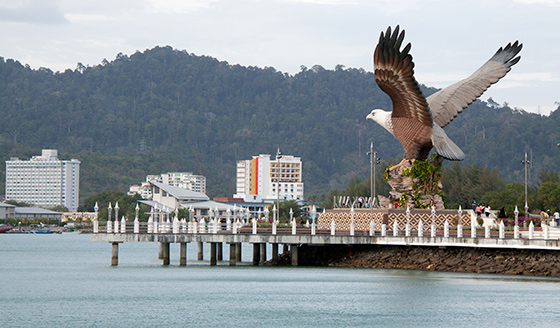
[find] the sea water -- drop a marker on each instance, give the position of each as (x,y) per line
(66,281)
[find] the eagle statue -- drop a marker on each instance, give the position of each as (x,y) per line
(416,121)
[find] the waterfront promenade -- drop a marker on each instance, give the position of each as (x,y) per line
(235,233)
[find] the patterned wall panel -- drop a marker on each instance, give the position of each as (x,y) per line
(363,217)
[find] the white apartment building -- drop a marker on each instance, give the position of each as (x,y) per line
(267,179)
(184,180)
(44,180)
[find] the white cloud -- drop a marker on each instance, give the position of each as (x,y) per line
(31,11)
(179,6)
(551,3)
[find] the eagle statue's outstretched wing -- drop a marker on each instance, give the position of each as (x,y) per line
(394,74)
(447,103)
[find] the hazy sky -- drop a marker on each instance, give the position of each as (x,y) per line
(450,39)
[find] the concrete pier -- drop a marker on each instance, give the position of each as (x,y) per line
(232,253)
(213,255)
(115,253)
(220,251)
(294,254)
(274,260)
(536,240)
(263,253)
(183,254)
(256,253)
(238,252)
(200,253)
(165,247)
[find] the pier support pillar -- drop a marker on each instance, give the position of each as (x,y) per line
(256,253)
(183,254)
(165,247)
(274,254)
(213,257)
(200,249)
(232,253)
(263,253)
(220,251)
(285,248)
(160,251)
(238,252)
(114,254)
(294,254)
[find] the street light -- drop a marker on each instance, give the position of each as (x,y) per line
(278,156)
(372,160)
(526,162)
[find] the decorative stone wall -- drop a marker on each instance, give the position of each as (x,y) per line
(362,218)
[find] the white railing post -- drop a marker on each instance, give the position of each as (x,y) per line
(460,223)
(433,229)
(175,224)
(383,230)
(274,226)
(109,226)
(313,227)
(352,221)
(516,232)
(150,228)
(407,227)
(123,225)
(446,229)
(183,225)
(371,228)
(545,230)
(531,230)
(294,226)
(136,225)
(254,226)
(202,225)
(487,231)
(95,221)
(235,226)
(502,230)
(333,228)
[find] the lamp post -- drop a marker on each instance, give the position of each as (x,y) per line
(95,222)
(371,177)
(526,162)
(278,157)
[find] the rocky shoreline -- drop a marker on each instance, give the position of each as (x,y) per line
(445,259)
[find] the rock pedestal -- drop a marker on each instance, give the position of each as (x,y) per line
(418,193)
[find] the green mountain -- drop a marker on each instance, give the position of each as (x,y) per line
(156,111)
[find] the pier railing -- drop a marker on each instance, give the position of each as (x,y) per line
(243,226)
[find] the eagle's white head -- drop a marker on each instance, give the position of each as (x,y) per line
(382,118)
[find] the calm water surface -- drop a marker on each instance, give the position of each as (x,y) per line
(66,281)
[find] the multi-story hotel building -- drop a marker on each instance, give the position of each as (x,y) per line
(44,180)
(267,179)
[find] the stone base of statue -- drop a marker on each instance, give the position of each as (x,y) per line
(416,185)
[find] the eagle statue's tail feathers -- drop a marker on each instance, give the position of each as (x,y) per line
(444,146)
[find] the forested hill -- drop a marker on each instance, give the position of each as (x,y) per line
(149,112)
